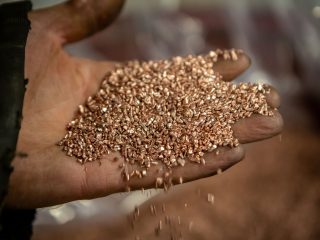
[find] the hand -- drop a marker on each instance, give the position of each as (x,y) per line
(58,83)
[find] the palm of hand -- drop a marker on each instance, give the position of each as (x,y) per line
(58,83)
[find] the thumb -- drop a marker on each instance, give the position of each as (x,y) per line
(77,19)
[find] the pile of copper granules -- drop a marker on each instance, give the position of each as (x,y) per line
(167,111)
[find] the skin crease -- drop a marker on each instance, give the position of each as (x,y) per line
(58,83)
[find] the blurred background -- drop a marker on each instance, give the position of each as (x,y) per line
(275,192)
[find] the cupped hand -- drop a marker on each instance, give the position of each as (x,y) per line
(58,83)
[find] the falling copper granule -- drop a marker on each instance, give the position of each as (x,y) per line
(163,208)
(190,225)
(159,181)
(211,198)
(163,112)
(136,213)
(153,209)
(199,191)
(167,220)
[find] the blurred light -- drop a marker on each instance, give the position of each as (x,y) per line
(62,214)
(85,203)
(44,3)
(170,5)
(137,198)
(259,77)
(316,11)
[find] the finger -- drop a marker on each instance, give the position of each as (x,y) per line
(230,68)
(107,177)
(221,159)
(76,19)
(258,127)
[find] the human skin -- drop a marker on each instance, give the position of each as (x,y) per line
(58,83)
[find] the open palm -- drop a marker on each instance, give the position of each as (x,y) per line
(58,83)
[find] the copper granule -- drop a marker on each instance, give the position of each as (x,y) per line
(153,209)
(190,225)
(136,212)
(166,111)
(163,207)
(211,198)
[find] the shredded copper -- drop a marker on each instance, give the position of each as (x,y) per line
(166,111)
